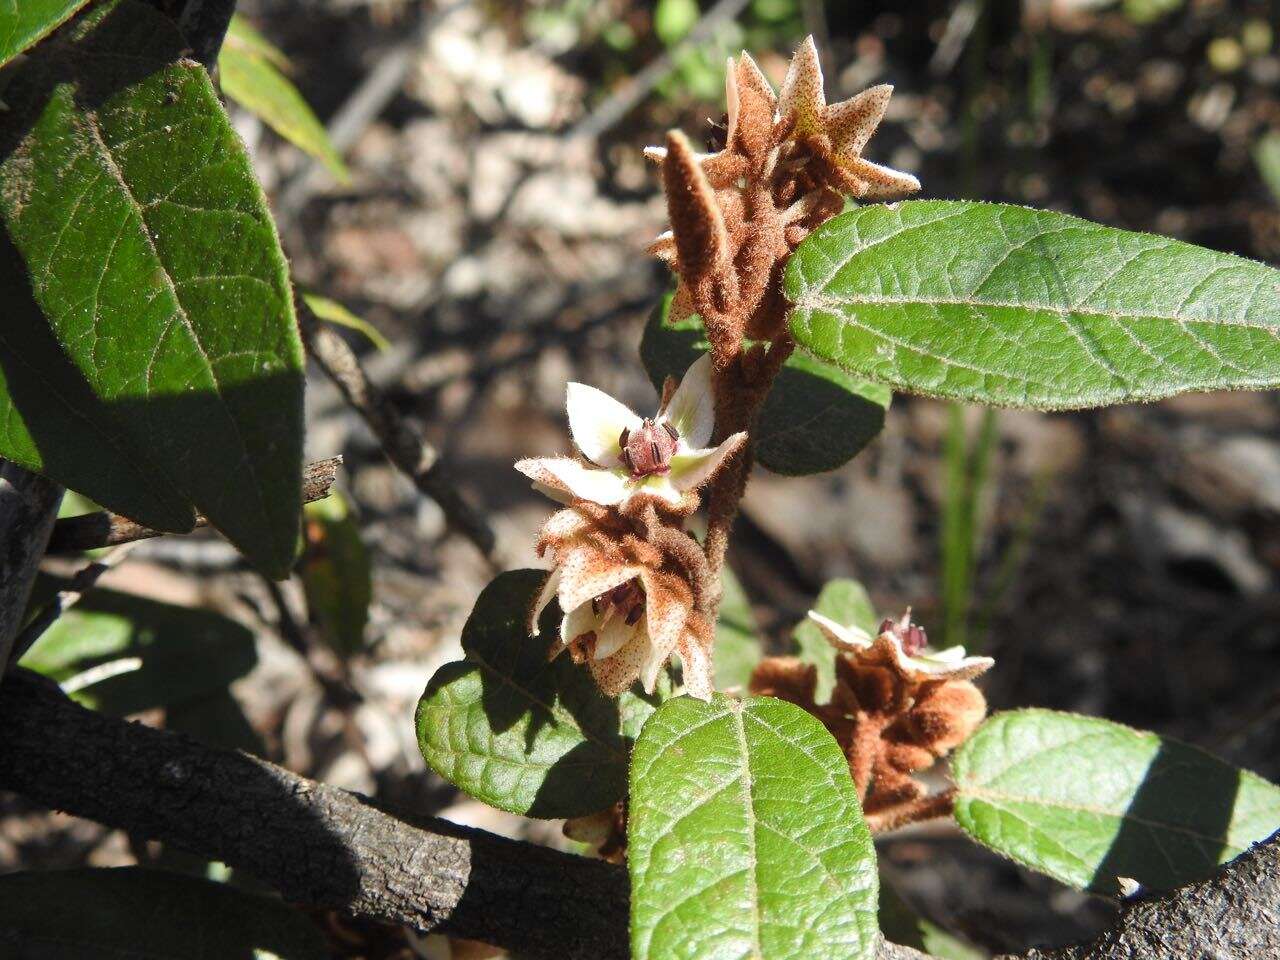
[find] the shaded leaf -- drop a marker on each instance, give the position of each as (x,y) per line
(24,22)
(336,574)
(816,418)
(516,731)
(746,838)
(1015,307)
(123,654)
(150,356)
(737,648)
(331,311)
(132,914)
(249,69)
(844,601)
(1087,800)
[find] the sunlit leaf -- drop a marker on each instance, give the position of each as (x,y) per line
(336,573)
(1015,307)
(746,838)
(24,22)
(1087,801)
(331,311)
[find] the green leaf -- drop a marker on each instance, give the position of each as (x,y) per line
(1266,154)
(516,731)
(737,648)
(336,574)
(123,654)
(332,311)
(844,601)
(900,924)
(746,838)
(23,23)
(1015,307)
(1086,801)
(249,69)
(816,418)
(149,356)
(133,914)
(672,19)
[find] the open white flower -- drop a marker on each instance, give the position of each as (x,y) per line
(665,456)
(903,646)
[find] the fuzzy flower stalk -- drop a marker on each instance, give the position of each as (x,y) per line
(898,707)
(631,582)
(787,163)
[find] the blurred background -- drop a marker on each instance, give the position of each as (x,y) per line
(491,226)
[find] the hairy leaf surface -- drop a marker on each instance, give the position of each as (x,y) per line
(1008,306)
(518,732)
(745,838)
(1087,801)
(150,356)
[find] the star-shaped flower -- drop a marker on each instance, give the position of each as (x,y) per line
(903,647)
(665,457)
(626,608)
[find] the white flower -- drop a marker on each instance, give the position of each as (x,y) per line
(665,457)
(903,646)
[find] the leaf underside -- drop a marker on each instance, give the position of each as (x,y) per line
(516,731)
(745,837)
(149,356)
(1009,306)
(1087,801)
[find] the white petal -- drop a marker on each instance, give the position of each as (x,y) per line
(604,487)
(656,154)
(549,588)
(583,576)
(613,636)
(596,420)
(559,496)
(581,619)
(695,660)
(614,674)
(650,668)
(692,410)
(849,638)
(691,468)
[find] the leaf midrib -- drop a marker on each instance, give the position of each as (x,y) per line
(749,809)
(93,124)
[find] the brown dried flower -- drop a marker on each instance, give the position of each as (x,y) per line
(897,708)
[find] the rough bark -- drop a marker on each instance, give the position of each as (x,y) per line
(322,846)
(28,506)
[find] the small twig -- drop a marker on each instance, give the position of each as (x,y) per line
(106,529)
(329,671)
(80,583)
(403,445)
(623,101)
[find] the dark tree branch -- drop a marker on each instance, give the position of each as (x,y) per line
(204,23)
(106,529)
(404,446)
(28,507)
(324,847)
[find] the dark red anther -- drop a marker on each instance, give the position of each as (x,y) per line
(648,449)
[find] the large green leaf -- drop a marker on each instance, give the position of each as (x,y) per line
(737,649)
(249,69)
(123,654)
(149,356)
(816,417)
(133,914)
(844,601)
(746,838)
(519,732)
(24,22)
(1015,307)
(336,574)
(1087,801)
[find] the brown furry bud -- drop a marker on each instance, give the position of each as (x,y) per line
(787,678)
(702,245)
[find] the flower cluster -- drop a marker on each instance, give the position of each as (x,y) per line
(898,706)
(628,577)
